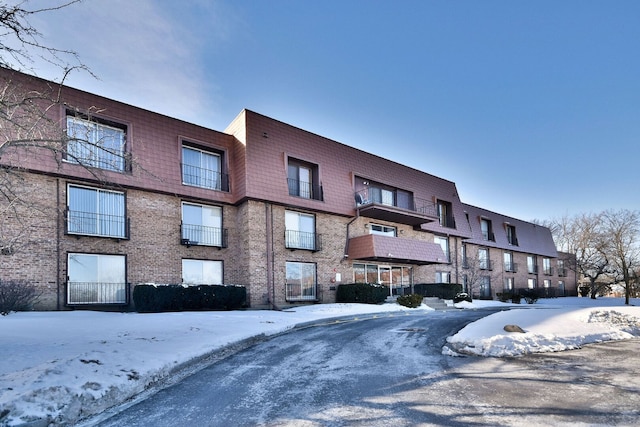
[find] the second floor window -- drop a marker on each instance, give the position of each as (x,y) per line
(95,144)
(95,212)
(300,231)
(202,225)
(444,244)
(546,266)
(484,263)
(202,169)
(562,271)
(382,230)
(532,264)
(509,265)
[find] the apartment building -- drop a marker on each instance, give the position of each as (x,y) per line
(137,197)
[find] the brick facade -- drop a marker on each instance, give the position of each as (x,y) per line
(256,154)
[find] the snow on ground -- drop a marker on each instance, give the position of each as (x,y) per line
(64,366)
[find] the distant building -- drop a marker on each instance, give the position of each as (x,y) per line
(285,212)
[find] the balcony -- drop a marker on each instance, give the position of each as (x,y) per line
(532,269)
(96,224)
(301,292)
(303,189)
(485,264)
(411,211)
(302,240)
(204,178)
(86,293)
(200,235)
(372,247)
(548,271)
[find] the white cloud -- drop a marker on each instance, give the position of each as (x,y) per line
(143,52)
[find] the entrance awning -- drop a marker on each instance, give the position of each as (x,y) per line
(372,247)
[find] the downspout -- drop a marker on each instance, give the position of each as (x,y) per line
(271,287)
(58,244)
(455,239)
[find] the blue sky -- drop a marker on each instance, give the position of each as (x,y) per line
(531,108)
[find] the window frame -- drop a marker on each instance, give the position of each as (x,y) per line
(75,216)
(97,292)
(445,214)
(439,240)
(488,233)
(203,264)
(304,290)
(295,179)
(382,230)
(218,178)
(512,237)
(486,265)
(93,125)
(207,235)
(294,237)
(443,277)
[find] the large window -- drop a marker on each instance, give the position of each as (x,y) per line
(443,277)
(96,279)
(300,231)
(303,180)
(532,283)
(487,229)
(546,266)
(200,272)
(203,169)
(484,263)
(562,271)
(445,214)
(95,212)
(300,281)
(509,265)
(394,276)
(95,144)
(532,264)
(444,244)
(202,225)
(508,283)
(511,235)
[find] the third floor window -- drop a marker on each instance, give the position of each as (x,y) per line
(303,180)
(487,229)
(202,168)
(95,144)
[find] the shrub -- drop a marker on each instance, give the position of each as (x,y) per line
(367,293)
(529,295)
(504,296)
(584,291)
(150,298)
(516,298)
(439,290)
(17,295)
(411,301)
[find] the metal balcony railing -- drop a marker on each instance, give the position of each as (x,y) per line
(548,271)
(562,272)
(96,224)
(302,240)
(201,235)
(300,292)
(306,190)
(81,293)
(205,178)
(511,267)
(484,264)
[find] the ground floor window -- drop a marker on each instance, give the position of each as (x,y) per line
(532,283)
(508,283)
(201,272)
(301,281)
(443,277)
(394,276)
(96,279)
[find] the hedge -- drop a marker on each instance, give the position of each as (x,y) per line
(150,298)
(440,290)
(361,292)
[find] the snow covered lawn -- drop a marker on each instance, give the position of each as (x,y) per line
(64,366)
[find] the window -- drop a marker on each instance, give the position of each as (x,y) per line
(199,272)
(532,264)
(546,267)
(484,263)
(532,283)
(202,225)
(443,277)
(511,235)
(561,288)
(95,144)
(382,230)
(373,273)
(95,212)
(302,179)
(444,244)
(508,283)
(300,231)
(463,256)
(487,230)
(300,281)
(509,265)
(546,283)
(562,271)
(203,169)
(445,214)
(96,279)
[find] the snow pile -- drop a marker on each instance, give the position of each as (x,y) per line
(547,329)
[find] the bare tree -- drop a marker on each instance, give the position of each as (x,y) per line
(479,274)
(622,229)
